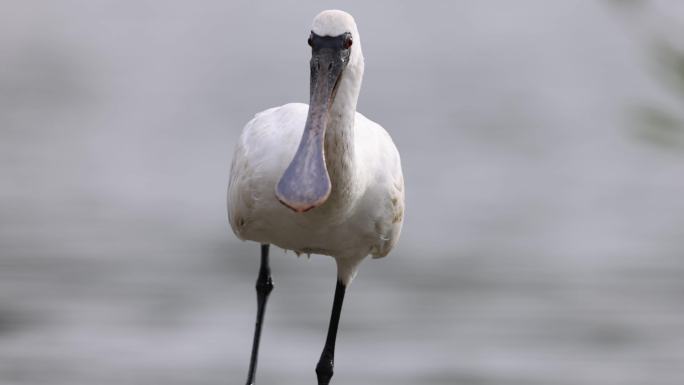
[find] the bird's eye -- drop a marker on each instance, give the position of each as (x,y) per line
(348,42)
(310,41)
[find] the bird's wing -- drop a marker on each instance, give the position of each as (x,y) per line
(264,149)
(385,189)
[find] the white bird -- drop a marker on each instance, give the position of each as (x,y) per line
(321,178)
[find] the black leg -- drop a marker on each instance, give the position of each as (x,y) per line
(264,285)
(324,369)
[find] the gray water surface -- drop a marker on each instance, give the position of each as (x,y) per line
(543,151)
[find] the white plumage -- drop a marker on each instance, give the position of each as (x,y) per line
(364,212)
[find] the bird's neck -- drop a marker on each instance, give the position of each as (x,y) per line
(339,137)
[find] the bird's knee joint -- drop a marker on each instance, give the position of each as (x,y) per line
(324,371)
(264,285)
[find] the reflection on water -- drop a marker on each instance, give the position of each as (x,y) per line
(543,150)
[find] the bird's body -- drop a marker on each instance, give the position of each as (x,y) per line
(364,212)
(318,178)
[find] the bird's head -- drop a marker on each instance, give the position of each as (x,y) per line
(335,55)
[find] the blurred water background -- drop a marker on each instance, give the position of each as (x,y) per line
(543,149)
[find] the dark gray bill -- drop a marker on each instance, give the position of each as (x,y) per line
(305,183)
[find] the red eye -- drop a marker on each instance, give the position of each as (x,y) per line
(348,42)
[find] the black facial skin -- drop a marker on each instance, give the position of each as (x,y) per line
(331,52)
(306,183)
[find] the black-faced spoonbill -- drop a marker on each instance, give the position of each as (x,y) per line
(321,178)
